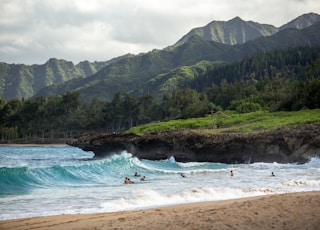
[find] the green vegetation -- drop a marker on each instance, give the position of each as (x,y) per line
(198,85)
(262,120)
(179,78)
(179,124)
(138,75)
(230,121)
(235,31)
(161,72)
(282,80)
(23,81)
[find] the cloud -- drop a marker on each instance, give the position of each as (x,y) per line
(35,30)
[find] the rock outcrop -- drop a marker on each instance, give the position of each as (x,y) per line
(283,145)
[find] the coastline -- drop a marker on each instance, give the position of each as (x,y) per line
(299,210)
(287,144)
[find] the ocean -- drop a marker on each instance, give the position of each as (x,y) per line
(54,180)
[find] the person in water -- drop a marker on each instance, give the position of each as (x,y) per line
(181,174)
(272,174)
(136,174)
(128,181)
(143,178)
(231,173)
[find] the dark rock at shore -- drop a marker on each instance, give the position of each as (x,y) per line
(283,145)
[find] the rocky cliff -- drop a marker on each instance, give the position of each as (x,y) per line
(283,145)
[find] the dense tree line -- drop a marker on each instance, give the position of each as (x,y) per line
(281,80)
(278,80)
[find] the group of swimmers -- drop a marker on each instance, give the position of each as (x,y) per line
(128,181)
(231,173)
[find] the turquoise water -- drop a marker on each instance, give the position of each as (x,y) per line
(41,181)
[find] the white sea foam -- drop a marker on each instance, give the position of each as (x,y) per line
(190,164)
(300,183)
(149,198)
(66,184)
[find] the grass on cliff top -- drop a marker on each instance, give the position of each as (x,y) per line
(230,121)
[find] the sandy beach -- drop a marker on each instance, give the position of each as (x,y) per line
(284,211)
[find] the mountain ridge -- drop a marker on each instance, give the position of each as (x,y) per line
(24,81)
(234,31)
(237,31)
(138,70)
(302,21)
(121,73)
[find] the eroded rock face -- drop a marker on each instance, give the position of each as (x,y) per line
(284,145)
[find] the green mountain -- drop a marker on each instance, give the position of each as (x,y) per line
(302,21)
(24,81)
(179,78)
(158,71)
(238,31)
(140,74)
(130,74)
(235,31)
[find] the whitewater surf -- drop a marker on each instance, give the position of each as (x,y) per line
(53,180)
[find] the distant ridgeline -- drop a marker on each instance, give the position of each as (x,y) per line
(159,71)
(24,81)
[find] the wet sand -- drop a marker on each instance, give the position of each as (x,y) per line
(284,211)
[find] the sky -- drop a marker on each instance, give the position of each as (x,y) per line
(32,31)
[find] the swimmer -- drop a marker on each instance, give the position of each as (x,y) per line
(181,174)
(127,180)
(143,178)
(231,173)
(272,174)
(136,174)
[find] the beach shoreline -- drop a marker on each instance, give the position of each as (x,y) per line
(300,210)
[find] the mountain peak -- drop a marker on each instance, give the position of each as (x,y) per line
(232,32)
(236,19)
(224,23)
(237,31)
(302,21)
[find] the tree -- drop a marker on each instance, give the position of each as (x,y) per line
(185,103)
(8,113)
(2,103)
(145,106)
(31,116)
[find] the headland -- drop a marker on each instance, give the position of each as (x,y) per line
(285,144)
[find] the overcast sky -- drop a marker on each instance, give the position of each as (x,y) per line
(32,31)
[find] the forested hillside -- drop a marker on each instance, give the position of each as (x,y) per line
(280,72)
(281,80)
(24,81)
(218,41)
(132,75)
